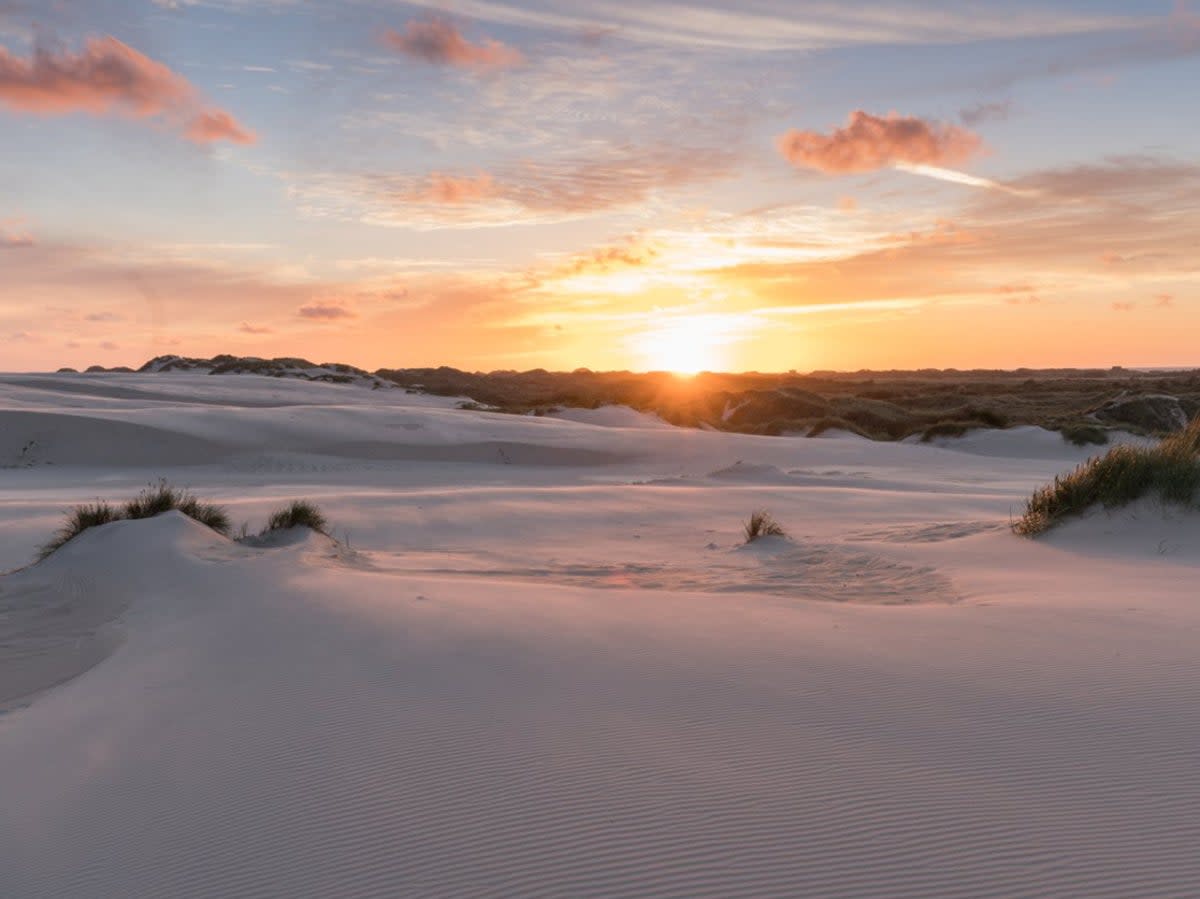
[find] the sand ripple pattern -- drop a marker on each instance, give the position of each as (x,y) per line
(309,746)
(822,572)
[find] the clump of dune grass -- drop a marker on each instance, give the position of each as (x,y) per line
(1084,434)
(154,500)
(986,417)
(761,524)
(947,429)
(298,513)
(162,497)
(834,423)
(1170,470)
(79,520)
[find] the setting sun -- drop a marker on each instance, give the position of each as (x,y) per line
(687,345)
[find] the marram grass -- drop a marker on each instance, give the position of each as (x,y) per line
(761,524)
(1169,470)
(298,513)
(154,500)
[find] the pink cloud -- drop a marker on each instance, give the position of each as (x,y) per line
(109,77)
(454,189)
(324,312)
(213,125)
(437,41)
(869,142)
(247,328)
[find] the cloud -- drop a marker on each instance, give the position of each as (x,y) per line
(527,192)
(453,189)
(1154,40)
(628,254)
(1122,178)
(971,116)
(13,241)
(324,312)
(868,143)
(437,41)
(214,125)
(109,77)
(772,25)
(247,328)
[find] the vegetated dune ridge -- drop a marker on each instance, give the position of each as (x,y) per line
(522,678)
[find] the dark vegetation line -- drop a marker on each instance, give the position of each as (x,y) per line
(881,405)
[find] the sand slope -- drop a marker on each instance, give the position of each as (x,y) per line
(568,680)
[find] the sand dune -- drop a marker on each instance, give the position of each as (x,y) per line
(561,675)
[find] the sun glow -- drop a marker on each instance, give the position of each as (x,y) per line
(689,345)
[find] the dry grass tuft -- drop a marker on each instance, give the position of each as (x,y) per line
(79,520)
(162,497)
(761,524)
(296,514)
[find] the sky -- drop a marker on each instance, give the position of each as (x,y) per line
(767,185)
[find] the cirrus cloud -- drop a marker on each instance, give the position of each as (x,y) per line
(524,192)
(869,142)
(110,77)
(437,41)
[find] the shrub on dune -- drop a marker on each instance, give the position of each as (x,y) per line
(947,429)
(761,524)
(1084,434)
(296,514)
(833,423)
(1170,471)
(162,497)
(79,520)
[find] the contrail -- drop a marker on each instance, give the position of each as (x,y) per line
(956,177)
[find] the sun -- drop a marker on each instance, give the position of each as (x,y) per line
(685,346)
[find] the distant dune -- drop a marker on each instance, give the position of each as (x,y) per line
(1083,405)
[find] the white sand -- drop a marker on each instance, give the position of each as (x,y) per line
(545,667)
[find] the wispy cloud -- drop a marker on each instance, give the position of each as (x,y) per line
(110,77)
(519,193)
(761,25)
(437,41)
(979,113)
(456,189)
(325,312)
(1147,40)
(868,143)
